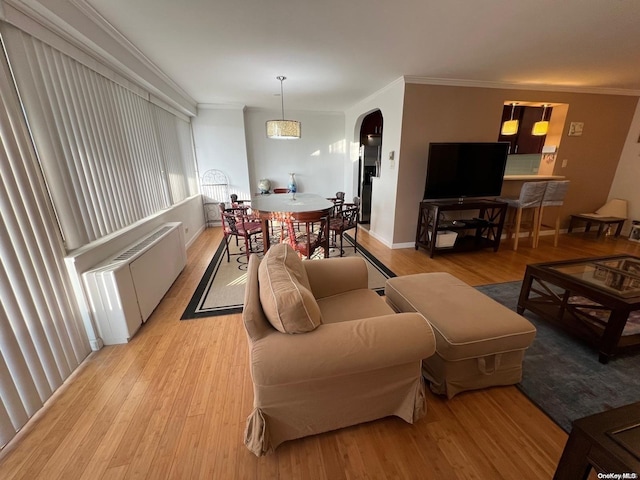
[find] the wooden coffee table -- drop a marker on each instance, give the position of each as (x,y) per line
(608,441)
(590,298)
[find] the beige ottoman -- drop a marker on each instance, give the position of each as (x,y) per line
(479,342)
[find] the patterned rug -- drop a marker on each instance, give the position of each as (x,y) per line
(562,375)
(221,289)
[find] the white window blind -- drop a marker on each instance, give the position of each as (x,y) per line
(42,339)
(109,156)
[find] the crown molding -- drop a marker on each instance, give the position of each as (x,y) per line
(79,24)
(222,106)
(452,82)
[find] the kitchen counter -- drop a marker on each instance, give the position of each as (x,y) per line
(532,178)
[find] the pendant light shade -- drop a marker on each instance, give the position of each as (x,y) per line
(283,129)
(510,127)
(542,127)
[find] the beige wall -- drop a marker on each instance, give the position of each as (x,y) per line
(434,113)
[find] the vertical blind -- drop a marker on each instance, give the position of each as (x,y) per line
(81,156)
(109,156)
(42,339)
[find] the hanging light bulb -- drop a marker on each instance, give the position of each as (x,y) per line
(284,129)
(542,127)
(510,127)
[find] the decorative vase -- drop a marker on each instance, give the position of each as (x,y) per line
(264,186)
(293,187)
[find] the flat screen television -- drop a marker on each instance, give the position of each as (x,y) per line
(460,170)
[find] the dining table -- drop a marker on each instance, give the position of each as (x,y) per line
(296,207)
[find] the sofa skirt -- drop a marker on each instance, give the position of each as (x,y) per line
(287,412)
(447,377)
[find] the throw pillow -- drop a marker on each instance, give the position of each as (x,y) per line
(285,293)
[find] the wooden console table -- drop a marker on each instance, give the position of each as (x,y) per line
(482,231)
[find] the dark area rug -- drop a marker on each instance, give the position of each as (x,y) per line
(562,375)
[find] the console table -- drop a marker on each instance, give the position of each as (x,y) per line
(481,231)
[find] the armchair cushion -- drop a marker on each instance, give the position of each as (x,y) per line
(285,293)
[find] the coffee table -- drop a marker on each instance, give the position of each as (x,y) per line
(609,441)
(590,298)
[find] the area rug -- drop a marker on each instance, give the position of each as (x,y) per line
(221,290)
(562,375)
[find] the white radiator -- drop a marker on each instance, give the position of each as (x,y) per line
(125,289)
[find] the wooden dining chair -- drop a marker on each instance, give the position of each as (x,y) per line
(235,223)
(346,219)
(303,234)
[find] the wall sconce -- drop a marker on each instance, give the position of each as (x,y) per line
(510,127)
(284,129)
(542,127)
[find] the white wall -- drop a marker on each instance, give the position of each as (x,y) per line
(625,182)
(317,158)
(220,143)
(389,101)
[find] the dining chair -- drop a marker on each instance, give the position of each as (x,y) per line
(346,219)
(530,198)
(553,197)
(304,236)
(235,223)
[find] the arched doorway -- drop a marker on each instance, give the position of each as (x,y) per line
(369,162)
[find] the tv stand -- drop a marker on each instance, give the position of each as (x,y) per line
(478,231)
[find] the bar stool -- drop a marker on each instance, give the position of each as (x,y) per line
(530,197)
(553,197)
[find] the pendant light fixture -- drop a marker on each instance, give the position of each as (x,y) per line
(510,127)
(542,127)
(283,129)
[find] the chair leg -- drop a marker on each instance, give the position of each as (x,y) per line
(355,240)
(341,250)
(517,228)
(535,226)
(226,244)
(556,234)
(538,227)
(247,246)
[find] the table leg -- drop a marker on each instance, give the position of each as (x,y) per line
(612,333)
(574,463)
(266,241)
(600,229)
(525,290)
(326,242)
(619,229)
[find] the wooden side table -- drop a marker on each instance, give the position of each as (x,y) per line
(608,441)
(600,221)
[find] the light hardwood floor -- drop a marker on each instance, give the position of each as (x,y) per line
(173,402)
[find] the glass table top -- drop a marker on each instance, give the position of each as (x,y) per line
(620,275)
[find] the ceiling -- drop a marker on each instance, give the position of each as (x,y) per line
(335,53)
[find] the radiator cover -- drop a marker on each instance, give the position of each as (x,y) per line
(124,290)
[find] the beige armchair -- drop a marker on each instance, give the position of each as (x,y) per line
(360,361)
